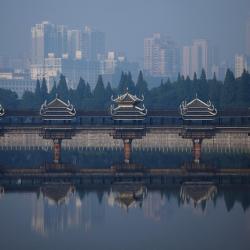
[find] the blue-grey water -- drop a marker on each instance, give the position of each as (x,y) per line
(111,219)
(123,216)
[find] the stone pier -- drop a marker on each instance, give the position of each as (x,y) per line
(197,149)
(57,145)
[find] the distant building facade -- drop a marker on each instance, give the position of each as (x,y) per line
(248,36)
(74,53)
(200,55)
(240,62)
(161,56)
(92,44)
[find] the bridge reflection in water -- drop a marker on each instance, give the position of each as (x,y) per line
(59,206)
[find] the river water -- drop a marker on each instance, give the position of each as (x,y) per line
(56,217)
(124,216)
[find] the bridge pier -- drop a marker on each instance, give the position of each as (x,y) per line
(57,135)
(127,135)
(57,150)
(197,135)
(127,150)
(197,149)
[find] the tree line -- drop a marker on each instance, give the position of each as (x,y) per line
(230,93)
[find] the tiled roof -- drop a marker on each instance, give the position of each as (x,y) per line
(2,112)
(197,110)
(128,107)
(57,110)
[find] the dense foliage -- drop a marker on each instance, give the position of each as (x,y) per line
(229,93)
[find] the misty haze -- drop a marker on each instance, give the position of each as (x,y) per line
(125,124)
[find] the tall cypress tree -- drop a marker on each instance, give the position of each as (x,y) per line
(229,91)
(53,91)
(243,92)
(44,90)
(38,89)
(62,88)
(99,90)
(80,92)
(108,92)
(141,85)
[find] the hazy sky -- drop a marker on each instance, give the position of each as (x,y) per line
(127,22)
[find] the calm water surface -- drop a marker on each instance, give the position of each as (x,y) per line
(125,217)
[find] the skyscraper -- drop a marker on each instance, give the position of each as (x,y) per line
(186,61)
(161,56)
(199,56)
(92,44)
(61,46)
(248,36)
(74,40)
(240,64)
(48,38)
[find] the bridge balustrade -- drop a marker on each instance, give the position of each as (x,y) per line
(153,119)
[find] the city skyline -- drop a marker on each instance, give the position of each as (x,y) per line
(111,17)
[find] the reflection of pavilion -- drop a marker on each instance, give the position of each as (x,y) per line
(1,191)
(127,195)
(59,208)
(57,193)
(56,208)
(197,192)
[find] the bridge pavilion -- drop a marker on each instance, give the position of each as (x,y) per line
(128,111)
(57,116)
(1,111)
(197,123)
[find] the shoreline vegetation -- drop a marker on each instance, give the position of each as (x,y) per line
(230,93)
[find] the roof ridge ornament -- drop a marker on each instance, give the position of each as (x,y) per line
(2,111)
(128,107)
(197,110)
(57,110)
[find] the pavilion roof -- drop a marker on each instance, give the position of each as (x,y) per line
(57,110)
(197,192)
(128,107)
(2,112)
(197,110)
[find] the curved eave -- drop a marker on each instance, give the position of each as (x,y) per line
(133,98)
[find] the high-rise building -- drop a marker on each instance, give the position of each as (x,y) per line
(61,46)
(48,38)
(240,64)
(92,44)
(200,56)
(186,61)
(248,36)
(74,43)
(161,56)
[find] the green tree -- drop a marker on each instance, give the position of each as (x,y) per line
(99,92)
(38,90)
(243,90)
(141,85)
(44,90)
(29,101)
(53,91)
(109,92)
(80,93)
(8,99)
(229,91)
(62,88)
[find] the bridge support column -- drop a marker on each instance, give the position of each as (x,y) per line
(127,150)
(57,150)
(197,149)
